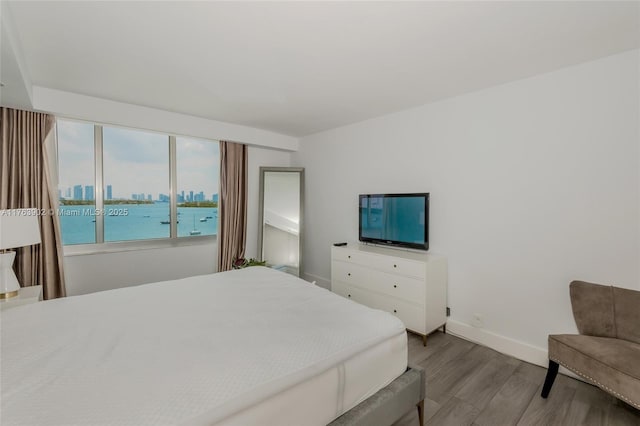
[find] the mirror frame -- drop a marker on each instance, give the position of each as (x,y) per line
(300,171)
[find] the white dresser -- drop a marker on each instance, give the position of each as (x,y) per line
(409,284)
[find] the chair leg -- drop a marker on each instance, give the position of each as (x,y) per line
(552,372)
(421,412)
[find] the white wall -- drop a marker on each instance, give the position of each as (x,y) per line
(16,89)
(104,111)
(105,271)
(533,184)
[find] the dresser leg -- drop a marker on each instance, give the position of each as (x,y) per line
(424,340)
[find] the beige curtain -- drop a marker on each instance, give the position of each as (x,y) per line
(26,182)
(232,207)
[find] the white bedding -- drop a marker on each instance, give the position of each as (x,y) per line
(202,350)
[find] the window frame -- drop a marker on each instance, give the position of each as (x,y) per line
(101,246)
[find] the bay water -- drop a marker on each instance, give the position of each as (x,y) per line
(124,222)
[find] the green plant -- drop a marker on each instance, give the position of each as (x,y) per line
(239,263)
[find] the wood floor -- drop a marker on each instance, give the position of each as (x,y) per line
(468,384)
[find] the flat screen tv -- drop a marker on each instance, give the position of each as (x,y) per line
(400,220)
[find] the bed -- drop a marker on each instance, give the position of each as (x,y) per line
(244,347)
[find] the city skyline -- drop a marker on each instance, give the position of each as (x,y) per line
(87,193)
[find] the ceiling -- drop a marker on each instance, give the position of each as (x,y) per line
(302,67)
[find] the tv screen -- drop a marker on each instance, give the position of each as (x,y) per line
(395,219)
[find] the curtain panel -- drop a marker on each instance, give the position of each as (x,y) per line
(26,181)
(232,204)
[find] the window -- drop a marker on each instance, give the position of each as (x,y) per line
(136,172)
(115,185)
(76,182)
(197,197)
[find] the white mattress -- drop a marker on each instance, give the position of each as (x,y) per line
(254,346)
(316,402)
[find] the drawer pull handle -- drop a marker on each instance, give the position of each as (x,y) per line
(349,257)
(348,295)
(395,311)
(349,273)
(395,266)
(395,286)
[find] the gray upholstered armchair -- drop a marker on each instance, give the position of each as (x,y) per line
(607,350)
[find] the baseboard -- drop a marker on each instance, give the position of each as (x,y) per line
(505,345)
(320,281)
(515,348)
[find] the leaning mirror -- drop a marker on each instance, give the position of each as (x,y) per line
(281,213)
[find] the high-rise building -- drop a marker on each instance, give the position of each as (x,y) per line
(88,193)
(201,196)
(215,197)
(68,194)
(149,198)
(77,192)
(190,195)
(182,197)
(134,196)
(59,194)
(109,192)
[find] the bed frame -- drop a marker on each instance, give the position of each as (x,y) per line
(390,403)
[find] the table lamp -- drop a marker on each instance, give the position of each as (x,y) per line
(18,228)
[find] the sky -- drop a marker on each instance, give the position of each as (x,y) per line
(135,161)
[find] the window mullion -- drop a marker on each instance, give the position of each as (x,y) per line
(173,188)
(99,183)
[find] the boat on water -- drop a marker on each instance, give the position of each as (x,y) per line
(195,231)
(203,219)
(209,217)
(167,222)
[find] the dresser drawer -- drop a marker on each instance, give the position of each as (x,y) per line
(405,288)
(350,273)
(350,256)
(412,316)
(352,293)
(401,266)
(341,288)
(388,264)
(408,289)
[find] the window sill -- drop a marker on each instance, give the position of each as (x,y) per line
(124,246)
